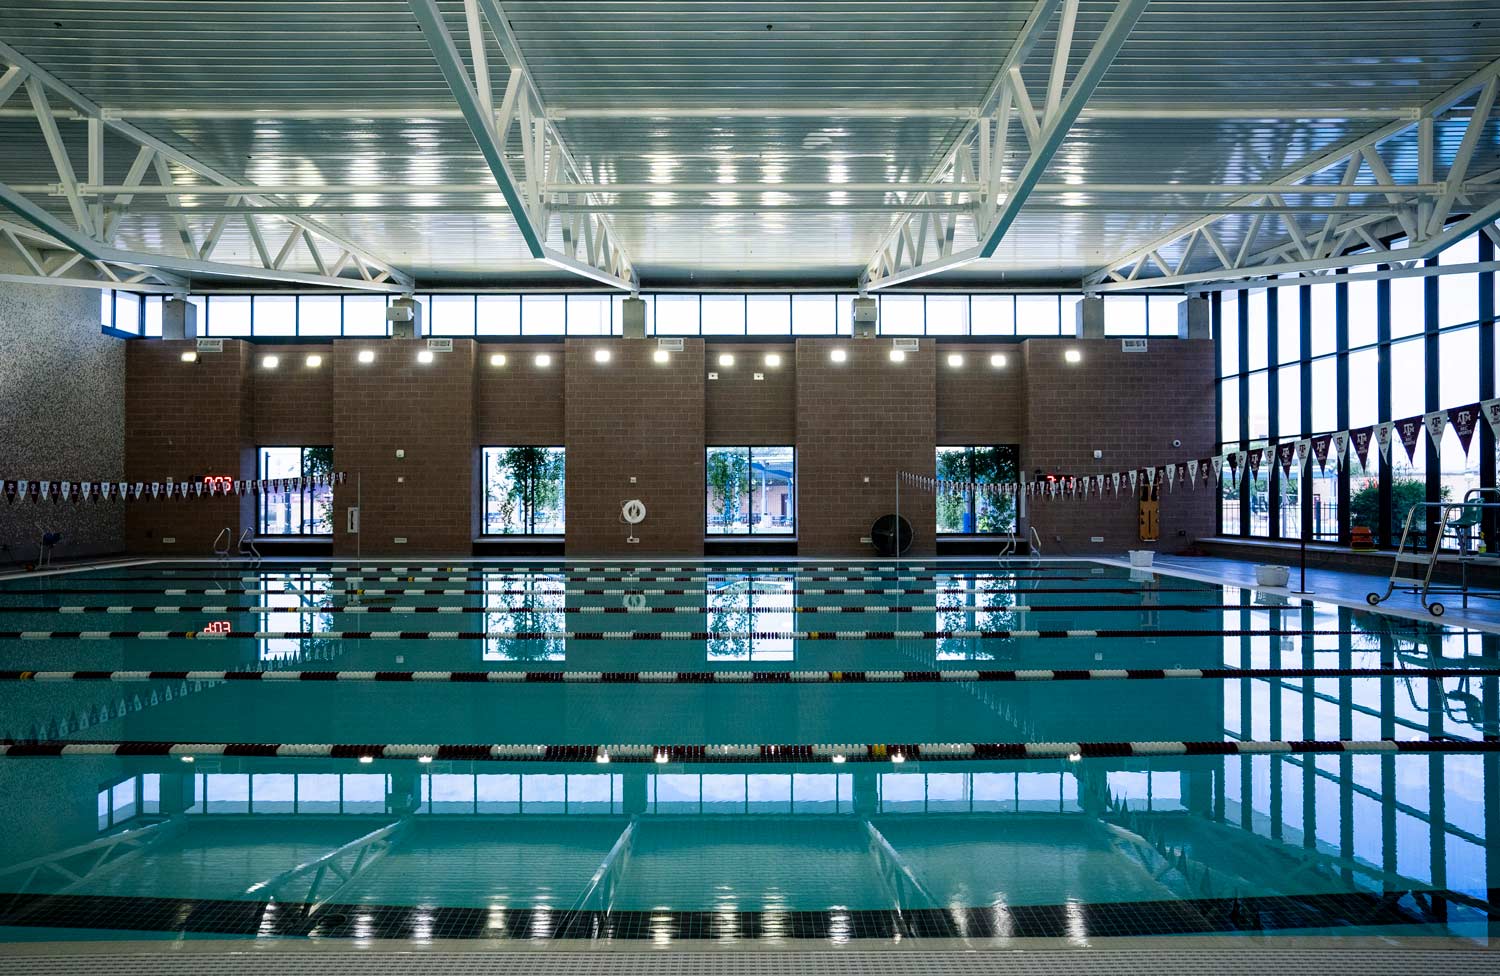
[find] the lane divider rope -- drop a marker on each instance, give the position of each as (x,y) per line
(662,753)
(697,610)
(655,635)
(745,677)
(592,591)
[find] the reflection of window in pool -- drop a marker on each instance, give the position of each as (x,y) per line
(296,601)
(525,603)
(973,608)
(740,609)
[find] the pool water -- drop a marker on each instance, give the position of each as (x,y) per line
(777,752)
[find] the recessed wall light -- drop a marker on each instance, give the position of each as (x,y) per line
(190,357)
(497,359)
(955,360)
(661,356)
(367,356)
(601,355)
(1073,356)
(773,359)
(897,356)
(838,355)
(425,356)
(314,361)
(726,359)
(270,362)
(997,360)
(543,360)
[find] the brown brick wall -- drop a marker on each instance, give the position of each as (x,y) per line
(293,402)
(738,409)
(520,403)
(427,411)
(633,417)
(1131,406)
(979,404)
(186,420)
(865,418)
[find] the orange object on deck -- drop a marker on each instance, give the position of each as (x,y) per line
(1360,538)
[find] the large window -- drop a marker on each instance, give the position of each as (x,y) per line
(306,510)
(524,490)
(1300,362)
(977,512)
(751,491)
(667,313)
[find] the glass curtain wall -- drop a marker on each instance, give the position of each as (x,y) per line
(1299,361)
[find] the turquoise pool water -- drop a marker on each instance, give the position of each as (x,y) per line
(218,807)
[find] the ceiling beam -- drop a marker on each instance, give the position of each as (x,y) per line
(90,109)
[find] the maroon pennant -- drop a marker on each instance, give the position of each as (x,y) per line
(10,492)
(1233,457)
(96,492)
(34,491)
(1256,454)
(1410,431)
(1360,440)
(1286,453)
(1464,420)
(56,492)
(1320,445)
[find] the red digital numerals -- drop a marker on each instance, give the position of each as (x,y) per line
(219,627)
(218,484)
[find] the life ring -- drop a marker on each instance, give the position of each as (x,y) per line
(633,511)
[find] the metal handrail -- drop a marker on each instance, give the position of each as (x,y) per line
(247,546)
(228,538)
(1036,541)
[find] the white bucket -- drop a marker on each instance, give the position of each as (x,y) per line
(1266,575)
(1141,558)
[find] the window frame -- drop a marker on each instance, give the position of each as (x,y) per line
(750,519)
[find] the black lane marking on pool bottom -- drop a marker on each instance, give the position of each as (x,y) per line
(894,753)
(744,677)
(672,635)
(1255,913)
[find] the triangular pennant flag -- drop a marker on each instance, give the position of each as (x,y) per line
(1217,463)
(1384,431)
(34,491)
(1186,470)
(1304,448)
(1340,447)
(1410,432)
(1170,471)
(1284,454)
(1134,477)
(1436,422)
(1320,445)
(1256,453)
(1464,421)
(1359,440)
(1491,411)
(11,490)
(67,490)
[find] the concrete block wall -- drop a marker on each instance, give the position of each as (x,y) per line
(62,400)
(423,503)
(633,417)
(186,421)
(859,423)
(1131,406)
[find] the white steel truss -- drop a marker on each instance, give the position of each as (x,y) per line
(1429,214)
(904,254)
(589,246)
(95,216)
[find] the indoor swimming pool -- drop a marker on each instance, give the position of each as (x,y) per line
(771,753)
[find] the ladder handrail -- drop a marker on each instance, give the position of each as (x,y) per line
(247,542)
(228,538)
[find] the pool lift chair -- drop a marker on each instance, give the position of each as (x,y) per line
(1459,522)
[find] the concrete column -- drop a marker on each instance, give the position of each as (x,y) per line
(179,319)
(1091,318)
(1193,321)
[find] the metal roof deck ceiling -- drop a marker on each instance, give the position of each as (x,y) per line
(817,93)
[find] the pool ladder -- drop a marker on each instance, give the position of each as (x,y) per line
(1036,544)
